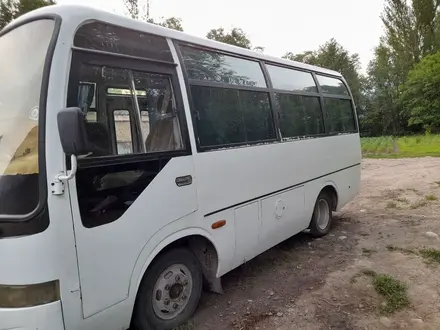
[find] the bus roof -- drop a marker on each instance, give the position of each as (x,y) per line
(79,14)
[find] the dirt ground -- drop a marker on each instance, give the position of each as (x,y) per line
(318,284)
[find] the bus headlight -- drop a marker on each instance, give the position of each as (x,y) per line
(19,296)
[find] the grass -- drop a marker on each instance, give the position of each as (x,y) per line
(430,255)
(394,291)
(401,147)
(391,205)
(431,198)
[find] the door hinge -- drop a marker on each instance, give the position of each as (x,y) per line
(57,184)
(57,187)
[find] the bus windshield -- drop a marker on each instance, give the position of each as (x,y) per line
(22,52)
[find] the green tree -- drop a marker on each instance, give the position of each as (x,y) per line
(421,94)
(235,37)
(132,7)
(411,31)
(141,11)
(11,9)
(171,23)
(382,114)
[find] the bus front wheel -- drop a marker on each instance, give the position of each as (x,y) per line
(169,292)
(322,217)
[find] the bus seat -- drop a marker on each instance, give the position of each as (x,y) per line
(165,133)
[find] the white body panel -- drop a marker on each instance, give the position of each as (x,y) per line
(279,166)
(247,222)
(266,193)
(114,248)
(47,317)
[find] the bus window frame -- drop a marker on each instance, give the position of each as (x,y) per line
(82,56)
(320,95)
(38,220)
(336,96)
(188,82)
(268,89)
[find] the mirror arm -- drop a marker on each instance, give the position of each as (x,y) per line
(71,173)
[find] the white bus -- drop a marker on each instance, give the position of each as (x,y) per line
(138,163)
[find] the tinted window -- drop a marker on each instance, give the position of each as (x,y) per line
(229,116)
(340,115)
(300,115)
(119,40)
(291,80)
(211,66)
(332,85)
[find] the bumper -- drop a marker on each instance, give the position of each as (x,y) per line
(45,317)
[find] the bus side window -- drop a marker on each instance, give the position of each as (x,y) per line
(159,121)
(149,121)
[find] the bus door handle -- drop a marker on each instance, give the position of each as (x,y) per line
(185,180)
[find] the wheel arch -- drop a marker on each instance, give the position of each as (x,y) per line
(330,188)
(195,239)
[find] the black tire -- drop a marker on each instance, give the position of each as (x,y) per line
(316,230)
(144,316)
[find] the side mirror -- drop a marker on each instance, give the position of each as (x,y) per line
(72,131)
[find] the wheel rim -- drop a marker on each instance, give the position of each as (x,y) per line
(323,214)
(172,291)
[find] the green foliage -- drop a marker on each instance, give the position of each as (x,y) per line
(136,9)
(431,198)
(381,113)
(170,22)
(391,205)
(431,255)
(132,7)
(235,37)
(374,146)
(420,94)
(394,292)
(411,31)
(407,146)
(11,9)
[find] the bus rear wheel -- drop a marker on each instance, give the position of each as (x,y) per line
(170,291)
(322,217)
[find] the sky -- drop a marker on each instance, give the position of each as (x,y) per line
(277,25)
